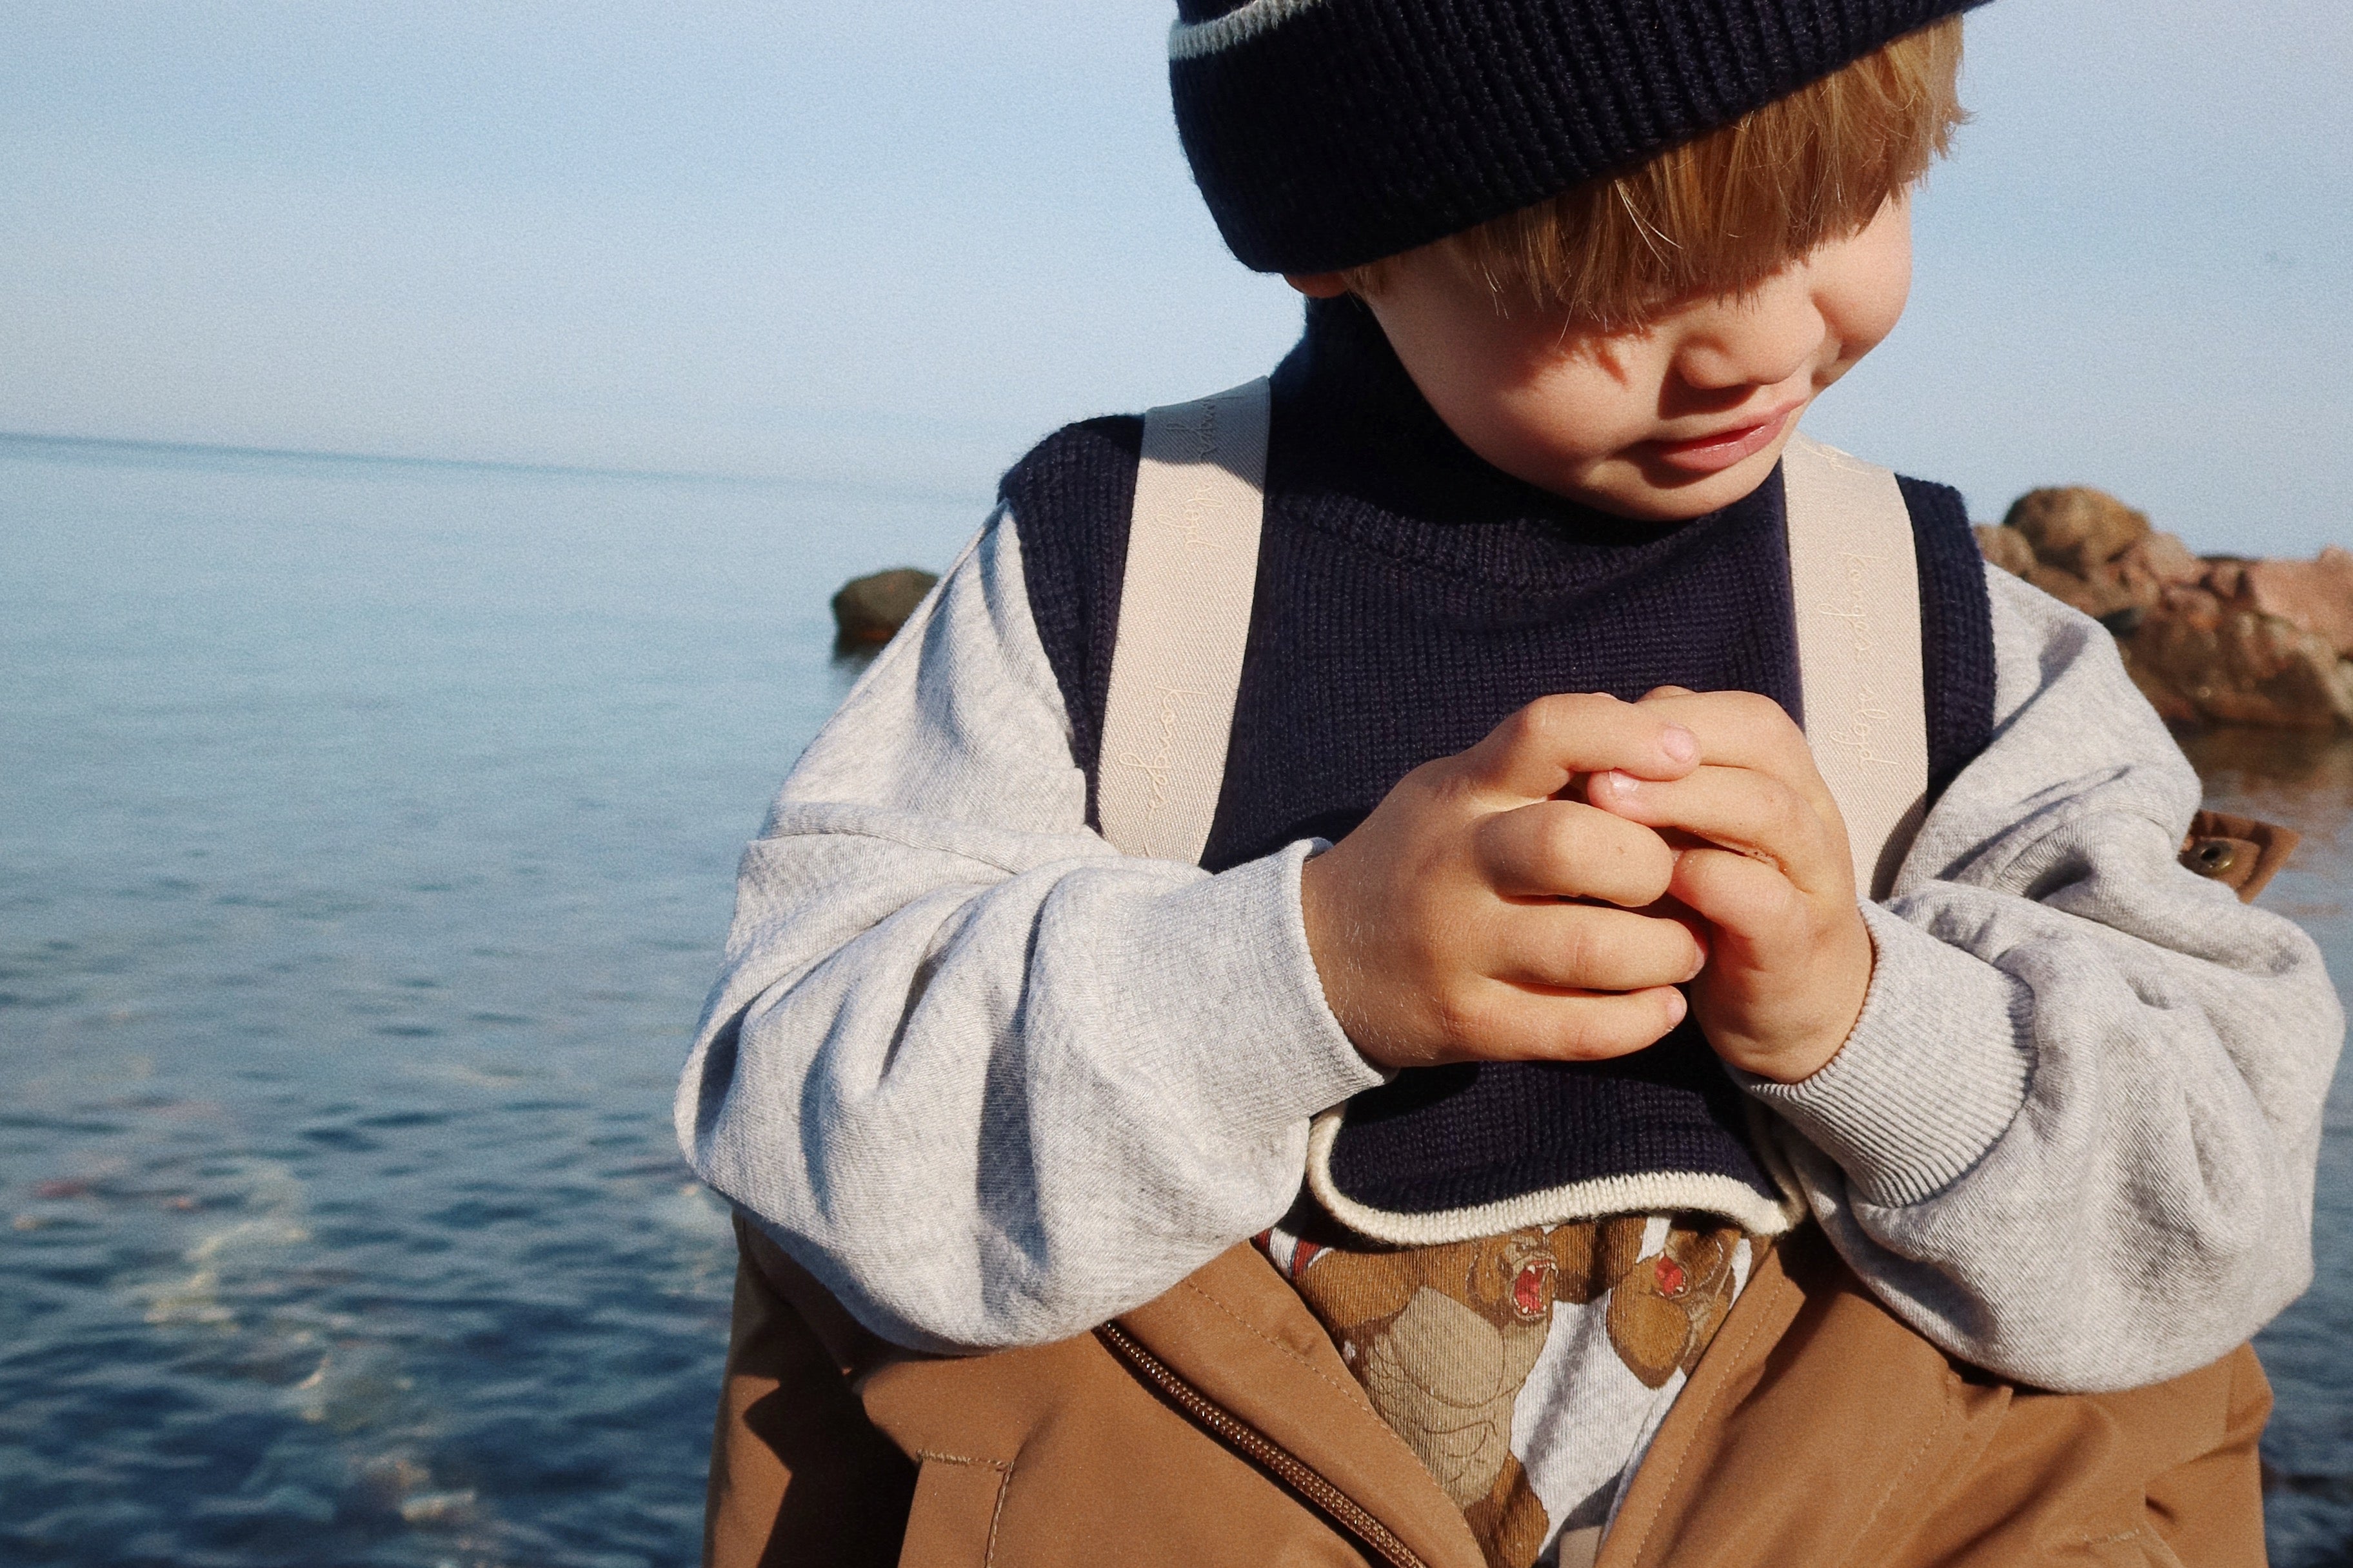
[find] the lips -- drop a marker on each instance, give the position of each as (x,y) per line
(1722,449)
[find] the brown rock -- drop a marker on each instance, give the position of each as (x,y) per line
(2243,668)
(2123,582)
(2163,559)
(869,610)
(2006,548)
(2226,578)
(2218,640)
(2194,605)
(2315,596)
(2077,528)
(2096,597)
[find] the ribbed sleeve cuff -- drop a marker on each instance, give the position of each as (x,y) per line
(1285,1056)
(1933,1074)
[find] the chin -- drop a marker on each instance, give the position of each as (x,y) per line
(1660,494)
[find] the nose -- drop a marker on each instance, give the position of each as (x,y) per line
(1759,338)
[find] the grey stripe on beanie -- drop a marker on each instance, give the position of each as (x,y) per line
(1327,133)
(1190,40)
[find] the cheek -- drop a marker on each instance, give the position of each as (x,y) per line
(1872,299)
(1583,407)
(1884,308)
(1539,409)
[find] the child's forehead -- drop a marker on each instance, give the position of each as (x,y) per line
(1326,134)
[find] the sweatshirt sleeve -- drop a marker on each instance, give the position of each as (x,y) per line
(2073,1137)
(987,1080)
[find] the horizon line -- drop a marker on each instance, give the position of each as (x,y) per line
(495,465)
(231,449)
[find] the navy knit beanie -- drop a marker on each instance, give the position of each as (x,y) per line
(1328,133)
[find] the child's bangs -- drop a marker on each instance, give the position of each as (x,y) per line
(1726,212)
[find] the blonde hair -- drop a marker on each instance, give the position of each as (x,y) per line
(1720,214)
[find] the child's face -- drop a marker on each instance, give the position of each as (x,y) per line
(1667,421)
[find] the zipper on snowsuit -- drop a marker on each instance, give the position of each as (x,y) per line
(1326,1498)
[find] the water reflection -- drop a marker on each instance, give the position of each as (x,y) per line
(2301,779)
(366,844)
(2305,781)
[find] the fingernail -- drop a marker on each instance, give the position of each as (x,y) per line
(1678,1005)
(1617,785)
(1680,744)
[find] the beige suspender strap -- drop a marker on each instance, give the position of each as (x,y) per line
(1184,616)
(1856,586)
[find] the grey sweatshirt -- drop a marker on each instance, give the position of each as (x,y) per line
(993,1083)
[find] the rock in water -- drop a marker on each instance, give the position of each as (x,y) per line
(2230,666)
(869,610)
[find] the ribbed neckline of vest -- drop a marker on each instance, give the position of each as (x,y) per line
(1358,449)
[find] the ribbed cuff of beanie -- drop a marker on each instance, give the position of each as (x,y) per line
(1933,1074)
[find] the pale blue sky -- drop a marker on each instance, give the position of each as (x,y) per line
(896,242)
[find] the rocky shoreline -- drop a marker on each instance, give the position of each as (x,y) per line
(2212,639)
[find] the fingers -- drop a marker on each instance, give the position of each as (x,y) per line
(1537,751)
(1558,848)
(1741,810)
(1743,730)
(1743,897)
(1505,1022)
(1587,948)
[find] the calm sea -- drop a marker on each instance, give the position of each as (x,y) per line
(365,842)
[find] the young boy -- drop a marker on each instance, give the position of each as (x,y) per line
(1522,859)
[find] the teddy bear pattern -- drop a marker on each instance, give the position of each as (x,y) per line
(1443,1338)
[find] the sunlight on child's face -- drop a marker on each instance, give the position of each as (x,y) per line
(1668,421)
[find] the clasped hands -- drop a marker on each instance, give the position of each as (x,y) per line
(1575,884)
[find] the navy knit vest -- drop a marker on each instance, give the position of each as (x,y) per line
(1409,597)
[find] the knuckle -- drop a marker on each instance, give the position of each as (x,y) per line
(1541,718)
(1511,853)
(1463,1025)
(1615,855)
(1562,837)
(1563,713)
(1447,787)
(1578,956)
(1510,743)
(1438,776)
